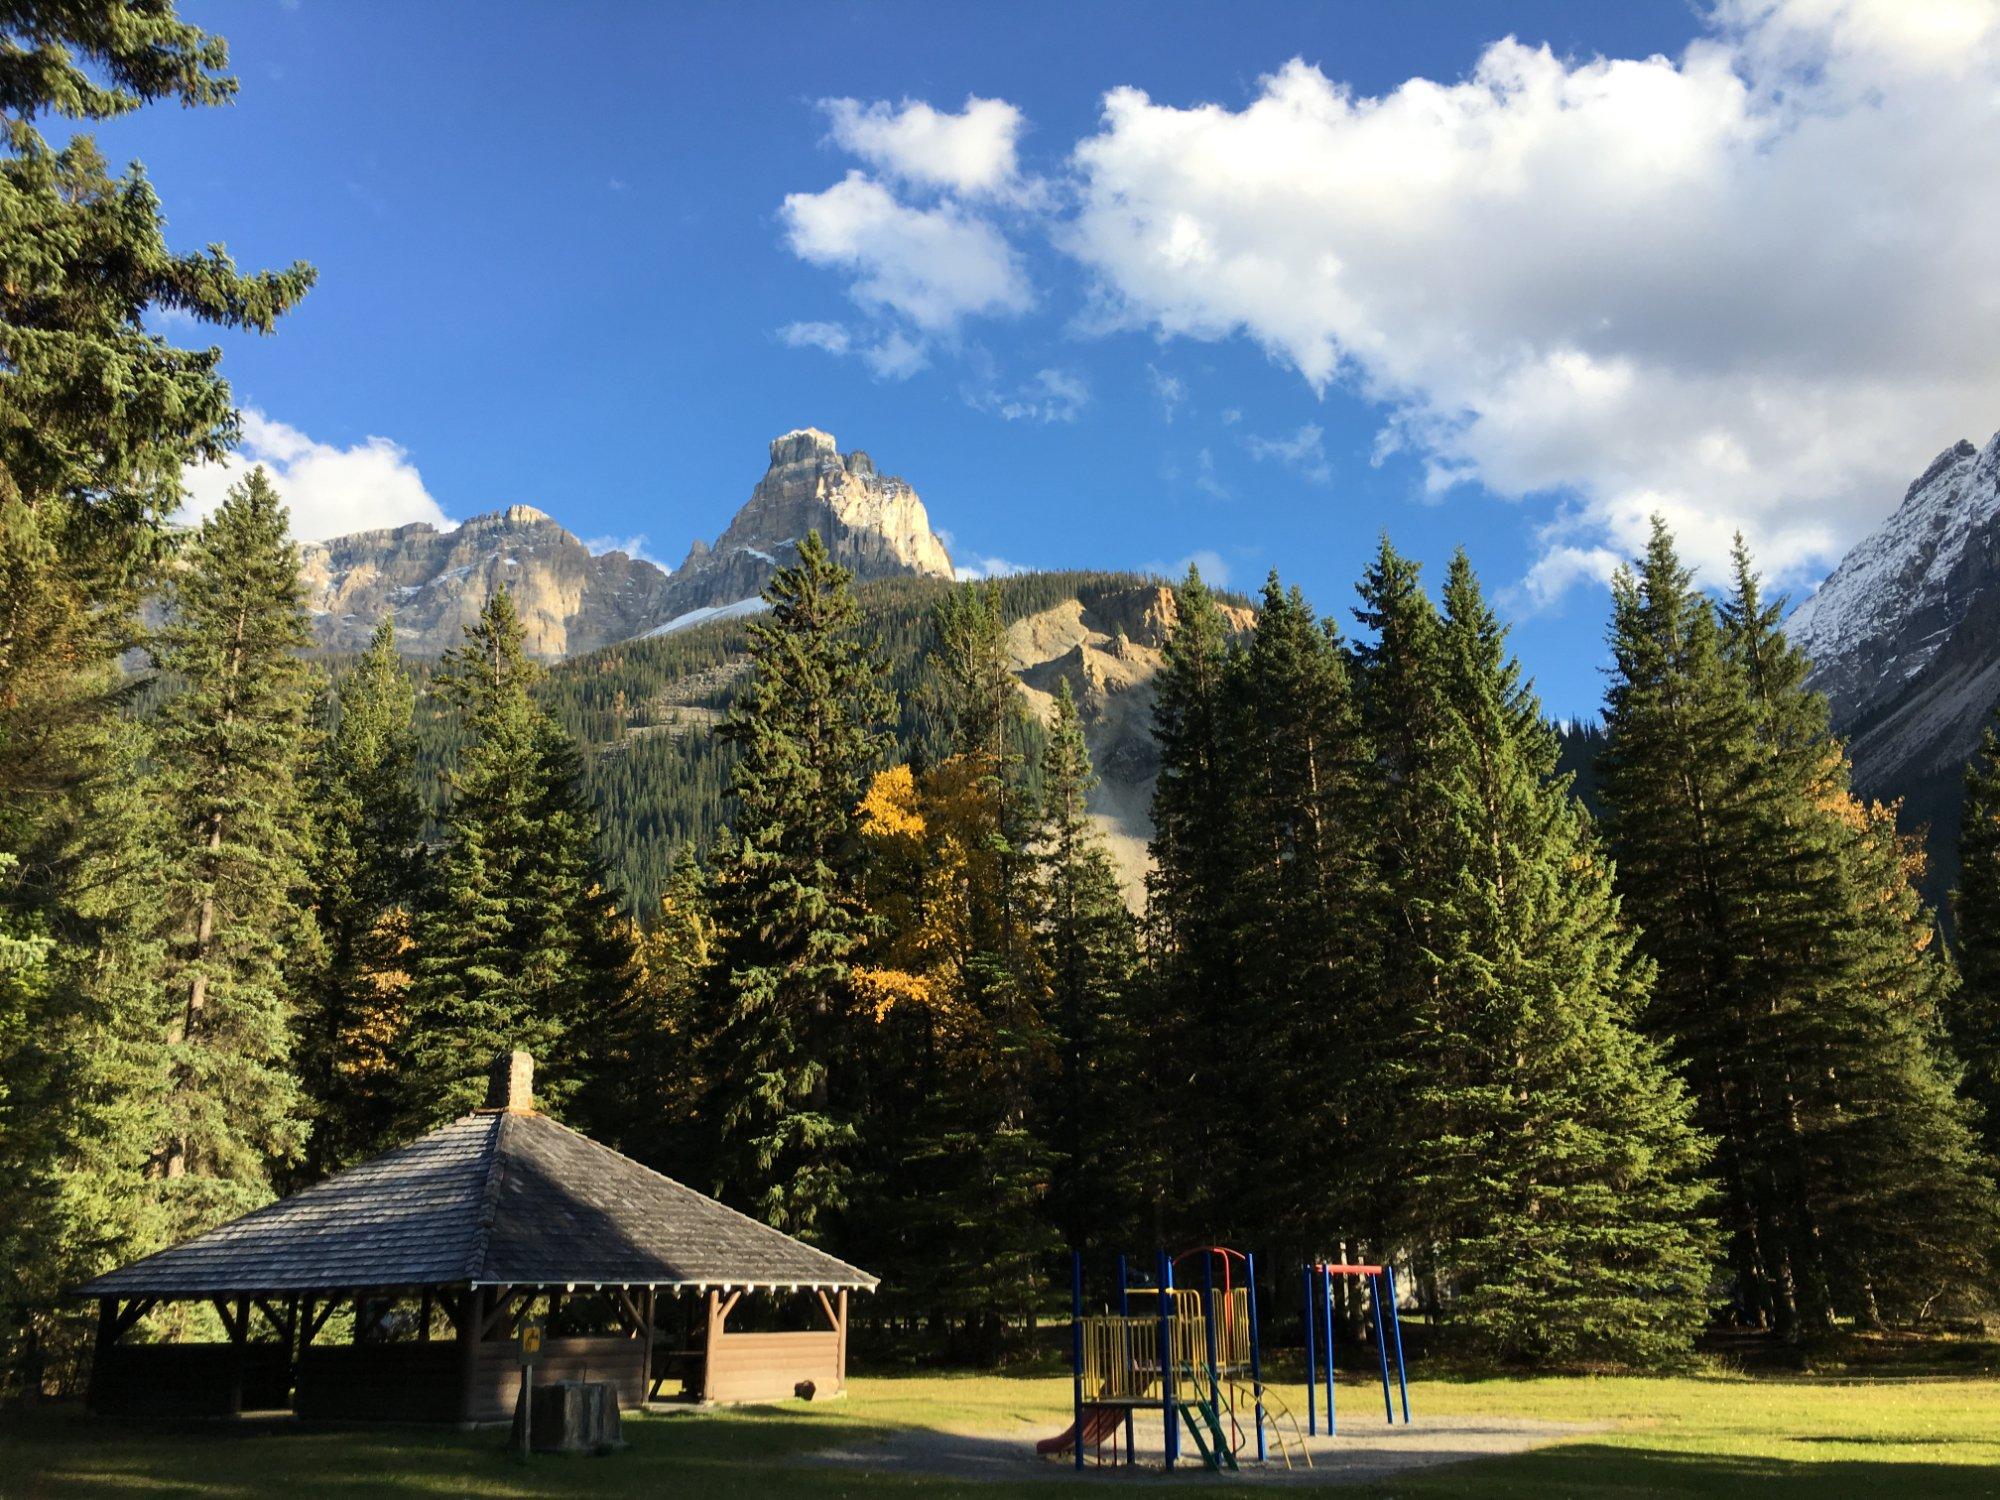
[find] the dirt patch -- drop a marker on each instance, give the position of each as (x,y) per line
(1367,1453)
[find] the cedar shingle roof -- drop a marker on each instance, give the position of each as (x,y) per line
(496,1198)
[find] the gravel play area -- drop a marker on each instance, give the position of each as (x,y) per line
(1366,1453)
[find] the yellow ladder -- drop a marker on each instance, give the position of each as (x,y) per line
(1284,1426)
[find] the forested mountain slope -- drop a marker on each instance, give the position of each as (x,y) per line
(644,711)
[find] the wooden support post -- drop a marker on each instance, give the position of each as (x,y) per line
(840,1347)
(107,1336)
(424,1318)
(470,1325)
(646,1346)
(239,1336)
(708,1349)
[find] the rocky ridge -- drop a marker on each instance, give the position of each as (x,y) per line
(572,600)
(1111,655)
(436,582)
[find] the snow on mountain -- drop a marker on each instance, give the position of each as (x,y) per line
(1882,616)
(707,613)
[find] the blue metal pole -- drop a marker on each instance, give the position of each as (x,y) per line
(1396,1325)
(1076,1342)
(1326,1300)
(1165,1280)
(1381,1344)
(1208,1322)
(1310,1316)
(1125,1345)
(1256,1355)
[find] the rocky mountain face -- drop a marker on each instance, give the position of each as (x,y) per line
(436,582)
(1905,641)
(572,600)
(872,523)
(1110,654)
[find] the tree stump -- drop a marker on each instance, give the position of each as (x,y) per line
(574,1416)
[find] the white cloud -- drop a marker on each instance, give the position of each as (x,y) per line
(830,337)
(1206,479)
(1171,390)
(634,546)
(1304,452)
(934,266)
(970,153)
(1556,571)
(1749,286)
(896,356)
(1214,571)
(973,569)
(1048,396)
(329,490)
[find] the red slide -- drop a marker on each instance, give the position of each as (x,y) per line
(1099,1423)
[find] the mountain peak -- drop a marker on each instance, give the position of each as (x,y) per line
(435,582)
(803,445)
(1882,614)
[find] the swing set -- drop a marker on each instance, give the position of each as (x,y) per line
(1380,1282)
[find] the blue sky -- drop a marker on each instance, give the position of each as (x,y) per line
(591,258)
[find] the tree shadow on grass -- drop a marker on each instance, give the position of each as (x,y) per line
(1602,1470)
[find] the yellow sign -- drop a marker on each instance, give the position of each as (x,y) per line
(531,1341)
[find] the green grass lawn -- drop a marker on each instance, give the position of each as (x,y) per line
(1879,1439)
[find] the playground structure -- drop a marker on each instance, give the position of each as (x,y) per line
(1209,1382)
(1380,1282)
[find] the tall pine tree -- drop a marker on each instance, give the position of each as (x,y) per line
(98,415)
(1548,1145)
(367,881)
(785,1035)
(1191,915)
(1973,1011)
(1091,951)
(520,944)
(232,747)
(1798,984)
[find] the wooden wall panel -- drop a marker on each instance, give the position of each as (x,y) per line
(769,1366)
(496,1371)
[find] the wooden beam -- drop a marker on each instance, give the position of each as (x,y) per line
(235,1320)
(630,1313)
(315,1321)
(832,1317)
(136,1309)
(727,1307)
(281,1319)
(502,1301)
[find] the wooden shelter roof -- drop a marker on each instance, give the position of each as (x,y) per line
(500,1197)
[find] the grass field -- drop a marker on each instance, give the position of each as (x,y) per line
(1878,1439)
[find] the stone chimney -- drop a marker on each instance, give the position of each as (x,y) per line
(511,1084)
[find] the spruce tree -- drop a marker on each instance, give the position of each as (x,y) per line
(1303,1037)
(1399,668)
(1797,984)
(785,1034)
(1547,1142)
(98,415)
(1091,953)
(367,879)
(232,745)
(1191,894)
(1868,1065)
(520,942)
(1973,1011)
